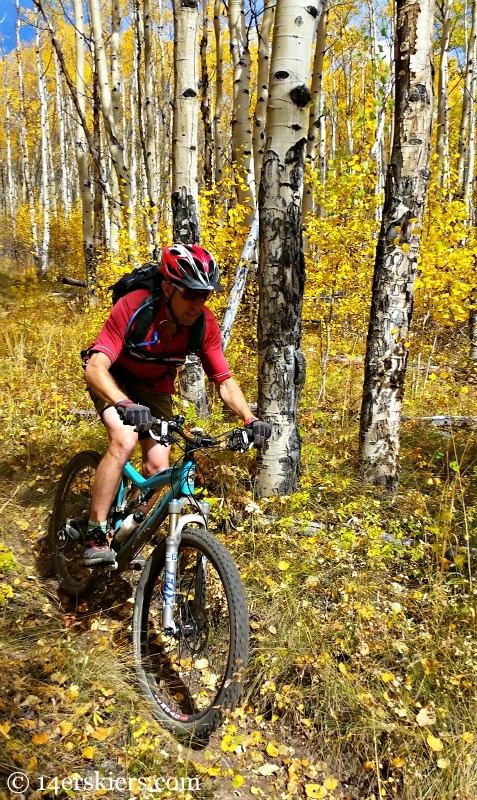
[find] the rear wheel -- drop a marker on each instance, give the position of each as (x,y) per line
(69,524)
(194,675)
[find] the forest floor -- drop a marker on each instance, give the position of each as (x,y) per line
(362,681)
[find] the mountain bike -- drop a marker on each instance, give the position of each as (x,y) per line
(190,620)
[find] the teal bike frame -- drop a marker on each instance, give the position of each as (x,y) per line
(180,479)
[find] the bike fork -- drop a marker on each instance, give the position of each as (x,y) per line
(176,524)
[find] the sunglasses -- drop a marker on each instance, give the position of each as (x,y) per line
(194,294)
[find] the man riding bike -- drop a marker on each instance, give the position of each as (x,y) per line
(128,389)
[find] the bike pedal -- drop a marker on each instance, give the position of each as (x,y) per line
(138,564)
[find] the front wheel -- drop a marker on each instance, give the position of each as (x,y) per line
(69,524)
(194,675)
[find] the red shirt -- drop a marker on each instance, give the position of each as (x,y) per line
(157,377)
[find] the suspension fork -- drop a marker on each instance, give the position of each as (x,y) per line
(176,525)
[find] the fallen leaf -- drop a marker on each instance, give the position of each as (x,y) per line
(267,769)
(40,738)
(397,762)
(88,752)
(66,728)
(4,729)
(283,565)
(100,734)
(386,677)
(315,791)
(443,763)
(425,717)
(435,743)
(468,737)
(272,751)
(330,784)
(237,781)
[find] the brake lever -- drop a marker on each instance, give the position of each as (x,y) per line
(239,441)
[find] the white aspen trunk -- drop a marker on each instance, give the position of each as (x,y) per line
(241,123)
(466,102)
(398,246)
(116,83)
(205,101)
(184,200)
(11,198)
(334,101)
(281,260)
(377,150)
(469,170)
(235,296)
(219,96)
(45,194)
(316,120)
(60,111)
(82,150)
(443,100)
(24,144)
(185,123)
(263,77)
(116,148)
(150,157)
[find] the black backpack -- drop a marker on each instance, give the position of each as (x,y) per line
(148,277)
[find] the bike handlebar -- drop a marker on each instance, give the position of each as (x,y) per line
(237,439)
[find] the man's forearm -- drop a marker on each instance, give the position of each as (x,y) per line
(100,380)
(232,395)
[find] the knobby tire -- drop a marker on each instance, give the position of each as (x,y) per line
(72,502)
(195,676)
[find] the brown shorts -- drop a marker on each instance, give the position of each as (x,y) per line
(159,402)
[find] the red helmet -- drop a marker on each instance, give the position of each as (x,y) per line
(190,265)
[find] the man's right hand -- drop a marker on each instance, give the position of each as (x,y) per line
(134,414)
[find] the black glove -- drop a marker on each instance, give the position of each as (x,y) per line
(133,414)
(261,431)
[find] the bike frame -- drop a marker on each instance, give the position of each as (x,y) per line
(180,479)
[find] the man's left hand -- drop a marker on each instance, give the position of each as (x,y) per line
(261,431)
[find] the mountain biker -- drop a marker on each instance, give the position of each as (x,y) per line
(127,391)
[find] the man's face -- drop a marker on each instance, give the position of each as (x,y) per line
(186,304)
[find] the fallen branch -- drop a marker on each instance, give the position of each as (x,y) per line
(445,421)
(74,282)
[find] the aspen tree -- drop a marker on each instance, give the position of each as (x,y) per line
(443,99)
(467,100)
(263,77)
(185,213)
(241,123)
(205,99)
(398,246)
(219,96)
(45,172)
(81,149)
(116,147)
(60,113)
(317,120)
(24,143)
(281,259)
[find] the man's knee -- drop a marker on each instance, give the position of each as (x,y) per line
(154,460)
(121,445)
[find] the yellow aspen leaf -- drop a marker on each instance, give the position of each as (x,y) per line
(443,763)
(272,750)
(405,247)
(238,781)
(386,677)
(22,524)
(283,565)
(397,762)
(40,738)
(88,752)
(468,737)
(69,746)
(66,728)
(4,729)
(73,692)
(213,771)
(315,791)
(33,761)
(369,765)
(100,734)
(272,629)
(435,743)
(330,784)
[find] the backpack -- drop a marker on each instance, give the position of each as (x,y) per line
(148,277)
